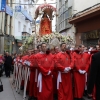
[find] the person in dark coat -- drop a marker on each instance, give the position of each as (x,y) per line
(94,75)
(7,64)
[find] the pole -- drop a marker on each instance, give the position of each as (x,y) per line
(35,33)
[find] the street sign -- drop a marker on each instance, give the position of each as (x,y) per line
(2,5)
(17,8)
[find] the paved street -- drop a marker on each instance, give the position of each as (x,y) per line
(9,92)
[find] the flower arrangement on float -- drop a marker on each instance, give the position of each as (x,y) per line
(46,38)
(62,38)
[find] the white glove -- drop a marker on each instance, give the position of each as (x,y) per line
(90,49)
(25,62)
(20,60)
(82,71)
(29,63)
(67,69)
(14,60)
(49,73)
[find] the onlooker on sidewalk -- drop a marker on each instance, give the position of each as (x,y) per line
(12,65)
(1,64)
(7,64)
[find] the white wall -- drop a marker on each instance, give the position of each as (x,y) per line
(80,5)
(70,3)
(19,17)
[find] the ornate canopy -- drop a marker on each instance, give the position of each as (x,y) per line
(45,8)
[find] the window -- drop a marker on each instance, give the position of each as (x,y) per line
(7,1)
(70,11)
(63,24)
(29,13)
(19,1)
(30,31)
(64,8)
(66,22)
(60,3)
(63,16)
(19,26)
(10,3)
(10,26)
(25,7)
(5,28)
(24,28)
(66,14)
(66,4)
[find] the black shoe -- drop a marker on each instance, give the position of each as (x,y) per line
(22,88)
(55,97)
(30,98)
(85,93)
(34,98)
(89,97)
(81,99)
(75,99)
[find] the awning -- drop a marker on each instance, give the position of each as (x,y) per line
(25,13)
(9,10)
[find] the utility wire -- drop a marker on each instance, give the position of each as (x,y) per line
(29,3)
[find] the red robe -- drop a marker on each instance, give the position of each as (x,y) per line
(65,86)
(82,62)
(32,78)
(55,75)
(35,76)
(23,59)
(45,64)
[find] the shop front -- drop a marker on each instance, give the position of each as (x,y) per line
(8,44)
(90,38)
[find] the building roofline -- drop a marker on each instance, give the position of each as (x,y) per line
(84,13)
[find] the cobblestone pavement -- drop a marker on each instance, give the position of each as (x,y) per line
(9,92)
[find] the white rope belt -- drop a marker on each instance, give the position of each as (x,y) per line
(39,83)
(59,78)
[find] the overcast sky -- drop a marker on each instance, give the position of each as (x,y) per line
(49,1)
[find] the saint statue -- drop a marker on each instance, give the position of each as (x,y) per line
(45,25)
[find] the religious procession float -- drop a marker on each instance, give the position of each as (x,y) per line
(45,12)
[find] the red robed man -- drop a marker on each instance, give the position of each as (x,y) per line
(82,62)
(45,68)
(24,59)
(33,75)
(31,78)
(64,81)
(56,51)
